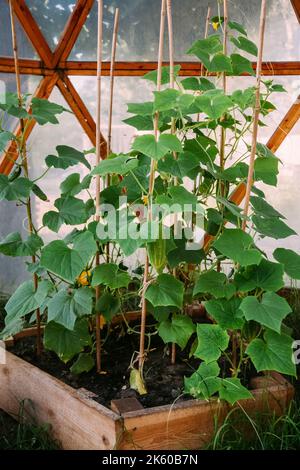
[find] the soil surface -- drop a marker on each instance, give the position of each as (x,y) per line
(164,381)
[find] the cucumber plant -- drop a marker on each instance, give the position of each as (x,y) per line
(231,276)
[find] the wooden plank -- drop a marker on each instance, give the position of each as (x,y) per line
(33,32)
(282,131)
(192,424)
(296,6)
(80,110)
(80,423)
(36,67)
(26,66)
(285,127)
(187,68)
(72,30)
(77,422)
(125,405)
(11,154)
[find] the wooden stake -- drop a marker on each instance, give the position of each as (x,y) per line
(224,80)
(112,70)
(206,32)
(151,186)
(111,99)
(23,152)
(98,158)
(256,112)
(173,129)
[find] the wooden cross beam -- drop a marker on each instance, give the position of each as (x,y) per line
(296,6)
(48,68)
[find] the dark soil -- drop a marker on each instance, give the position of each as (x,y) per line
(164,381)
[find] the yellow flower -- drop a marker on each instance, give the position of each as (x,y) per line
(84,278)
(145,200)
(102,322)
(215,25)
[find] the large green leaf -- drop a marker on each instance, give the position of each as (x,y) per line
(204,382)
(165,291)
(43,111)
(214,283)
(65,307)
(14,190)
(147,145)
(272,227)
(5,137)
(66,343)
(13,245)
(26,299)
(72,211)
(267,276)
(214,103)
(66,157)
(84,363)
(66,262)
(241,65)
(232,390)
(52,220)
(244,98)
(118,165)
(263,208)
(143,109)
(270,311)
(226,312)
(238,246)
(245,45)
(109,306)
(72,184)
(220,63)
(177,198)
(172,99)
(140,122)
(205,49)
(181,254)
(266,170)
(177,330)
(274,352)
(237,27)
(110,275)
(290,260)
(212,340)
(165,75)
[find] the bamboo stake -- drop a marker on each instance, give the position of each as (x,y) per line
(206,32)
(173,130)
(111,99)
(23,152)
(112,78)
(98,158)
(205,36)
(151,186)
(256,112)
(224,80)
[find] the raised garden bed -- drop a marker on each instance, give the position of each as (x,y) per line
(79,422)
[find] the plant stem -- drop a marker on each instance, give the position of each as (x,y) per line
(256,112)
(98,158)
(23,153)
(151,186)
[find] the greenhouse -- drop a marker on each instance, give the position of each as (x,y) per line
(149,235)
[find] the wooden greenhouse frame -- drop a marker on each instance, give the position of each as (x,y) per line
(79,422)
(55,69)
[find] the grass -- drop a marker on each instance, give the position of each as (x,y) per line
(264,433)
(23,435)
